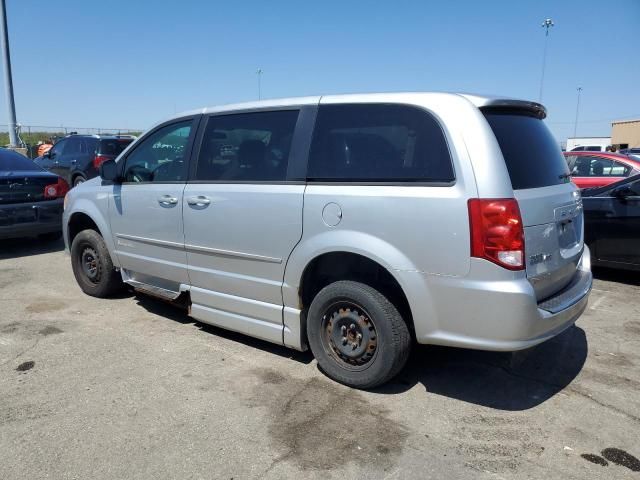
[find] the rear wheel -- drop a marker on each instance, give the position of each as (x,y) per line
(92,265)
(357,335)
(78,180)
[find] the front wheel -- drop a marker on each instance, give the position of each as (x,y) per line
(92,265)
(357,335)
(78,180)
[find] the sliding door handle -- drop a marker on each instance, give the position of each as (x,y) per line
(199,201)
(167,200)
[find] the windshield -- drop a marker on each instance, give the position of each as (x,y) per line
(532,154)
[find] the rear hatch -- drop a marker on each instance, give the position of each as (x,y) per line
(550,205)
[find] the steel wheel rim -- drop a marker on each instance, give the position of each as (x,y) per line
(89,262)
(349,335)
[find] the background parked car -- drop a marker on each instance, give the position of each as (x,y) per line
(612,223)
(30,198)
(77,158)
(597,169)
(632,152)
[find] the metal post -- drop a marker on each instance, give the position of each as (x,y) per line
(8,82)
(575,125)
(548,23)
(260,72)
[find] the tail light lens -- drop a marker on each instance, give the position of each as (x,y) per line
(56,190)
(497,233)
(99,160)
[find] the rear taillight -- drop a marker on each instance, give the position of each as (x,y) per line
(496,231)
(56,190)
(99,160)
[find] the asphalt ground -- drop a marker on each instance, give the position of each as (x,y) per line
(131,387)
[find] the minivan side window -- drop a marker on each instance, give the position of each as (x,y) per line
(161,156)
(378,143)
(247,146)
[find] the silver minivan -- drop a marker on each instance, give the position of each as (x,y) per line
(354,225)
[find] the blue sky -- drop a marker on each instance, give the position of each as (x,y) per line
(127,64)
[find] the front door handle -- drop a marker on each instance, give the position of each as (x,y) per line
(198,201)
(167,200)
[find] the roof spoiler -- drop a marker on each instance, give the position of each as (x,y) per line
(534,108)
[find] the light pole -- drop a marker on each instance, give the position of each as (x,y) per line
(547,24)
(8,82)
(259,73)
(575,125)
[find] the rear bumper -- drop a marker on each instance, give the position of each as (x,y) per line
(492,309)
(16,221)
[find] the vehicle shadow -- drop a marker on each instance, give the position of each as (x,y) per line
(25,247)
(177,314)
(504,381)
(613,275)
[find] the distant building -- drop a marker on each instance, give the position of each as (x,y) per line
(626,133)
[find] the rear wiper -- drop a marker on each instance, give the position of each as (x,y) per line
(564,175)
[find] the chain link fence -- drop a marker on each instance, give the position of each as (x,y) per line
(32,135)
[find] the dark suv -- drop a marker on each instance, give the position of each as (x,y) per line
(76,158)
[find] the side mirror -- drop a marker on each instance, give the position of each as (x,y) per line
(109,171)
(47,154)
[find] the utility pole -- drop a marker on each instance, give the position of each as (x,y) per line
(259,73)
(575,125)
(8,82)
(547,24)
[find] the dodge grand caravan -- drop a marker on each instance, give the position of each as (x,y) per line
(353,225)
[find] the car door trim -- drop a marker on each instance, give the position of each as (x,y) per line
(231,253)
(151,241)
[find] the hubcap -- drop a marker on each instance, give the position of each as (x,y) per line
(90,266)
(350,334)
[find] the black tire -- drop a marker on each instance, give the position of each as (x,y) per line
(78,180)
(92,265)
(50,236)
(346,311)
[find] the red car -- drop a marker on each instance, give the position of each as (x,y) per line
(597,169)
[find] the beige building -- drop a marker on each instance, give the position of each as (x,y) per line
(626,133)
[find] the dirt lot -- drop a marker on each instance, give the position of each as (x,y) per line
(133,388)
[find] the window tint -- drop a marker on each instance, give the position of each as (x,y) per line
(160,157)
(531,153)
(114,146)
(378,143)
(73,146)
(57,149)
(588,166)
(593,149)
(247,146)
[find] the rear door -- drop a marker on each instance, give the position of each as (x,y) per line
(145,210)
(550,204)
(242,219)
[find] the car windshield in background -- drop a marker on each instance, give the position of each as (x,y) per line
(530,151)
(115,146)
(13,162)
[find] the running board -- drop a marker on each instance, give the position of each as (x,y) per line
(159,292)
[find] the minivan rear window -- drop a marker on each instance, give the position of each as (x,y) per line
(378,143)
(532,155)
